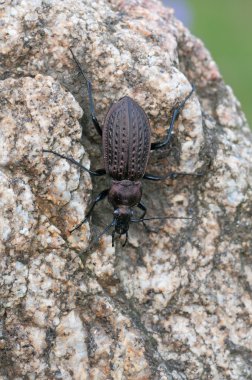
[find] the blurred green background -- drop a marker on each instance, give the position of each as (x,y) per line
(225,27)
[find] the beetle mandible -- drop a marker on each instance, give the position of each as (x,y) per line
(126,141)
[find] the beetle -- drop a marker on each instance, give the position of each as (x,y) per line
(126,142)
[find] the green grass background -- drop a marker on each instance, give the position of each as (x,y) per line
(225,26)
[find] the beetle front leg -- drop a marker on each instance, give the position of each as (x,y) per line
(98,172)
(126,239)
(113,238)
(142,207)
(175,114)
(90,96)
(99,198)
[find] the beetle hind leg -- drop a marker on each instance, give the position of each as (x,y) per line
(175,114)
(90,96)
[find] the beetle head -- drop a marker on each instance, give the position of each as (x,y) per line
(122,217)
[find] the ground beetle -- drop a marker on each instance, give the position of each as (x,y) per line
(126,148)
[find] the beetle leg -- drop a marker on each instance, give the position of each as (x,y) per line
(126,239)
(99,197)
(171,175)
(142,207)
(175,114)
(113,238)
(90,96)
(96,124)
(98,172)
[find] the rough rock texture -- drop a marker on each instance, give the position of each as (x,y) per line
(176,302)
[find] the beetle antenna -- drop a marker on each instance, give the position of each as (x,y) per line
(158,218)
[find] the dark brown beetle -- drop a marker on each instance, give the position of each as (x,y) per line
(126,145)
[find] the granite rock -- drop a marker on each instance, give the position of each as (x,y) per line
(175,303)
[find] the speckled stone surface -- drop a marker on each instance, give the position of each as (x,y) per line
(175,303)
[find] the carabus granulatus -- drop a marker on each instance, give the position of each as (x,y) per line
(126,142)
